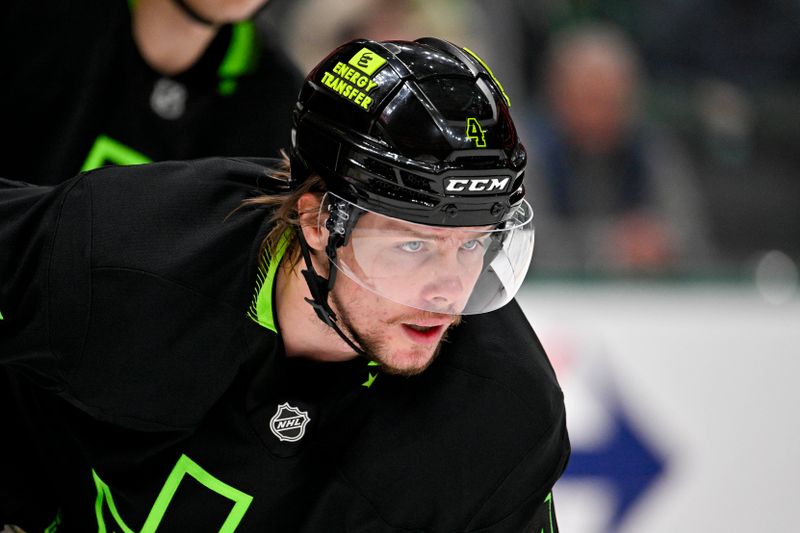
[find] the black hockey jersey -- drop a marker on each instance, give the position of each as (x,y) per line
(78,95)
(158,403)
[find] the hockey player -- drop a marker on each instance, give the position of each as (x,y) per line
(327,343)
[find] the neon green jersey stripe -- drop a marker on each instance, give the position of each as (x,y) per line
(261,310)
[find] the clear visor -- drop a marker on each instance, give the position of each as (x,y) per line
(459,271)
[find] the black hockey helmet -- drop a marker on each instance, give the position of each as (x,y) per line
(419,131)
(415,141)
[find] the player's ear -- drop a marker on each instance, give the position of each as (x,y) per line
(308,213)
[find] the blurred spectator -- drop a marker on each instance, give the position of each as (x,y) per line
(736,63)
(745,42)
(494,30)
(611,193)
(94,82)
(314,27)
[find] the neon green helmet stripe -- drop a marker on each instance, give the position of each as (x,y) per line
(499,85)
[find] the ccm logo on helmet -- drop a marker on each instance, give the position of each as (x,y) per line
(476,184)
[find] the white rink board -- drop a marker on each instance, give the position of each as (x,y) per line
(710,377)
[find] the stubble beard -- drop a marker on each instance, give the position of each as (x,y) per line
(376,349)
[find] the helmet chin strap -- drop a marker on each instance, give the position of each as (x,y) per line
(319,288)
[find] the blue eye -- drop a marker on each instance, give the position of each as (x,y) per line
(471,245)
(411,246)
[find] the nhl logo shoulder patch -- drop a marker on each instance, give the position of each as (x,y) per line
(289,423)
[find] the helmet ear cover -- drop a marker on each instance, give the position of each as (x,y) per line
(342,218)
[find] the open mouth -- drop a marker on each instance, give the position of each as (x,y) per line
(423,334)
(422,329)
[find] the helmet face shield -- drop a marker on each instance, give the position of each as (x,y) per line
(452,270)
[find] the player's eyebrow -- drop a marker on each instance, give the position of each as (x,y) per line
(444,234)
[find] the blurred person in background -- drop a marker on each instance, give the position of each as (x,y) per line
(95,82)
(731,69)
(611,193)
(312,27)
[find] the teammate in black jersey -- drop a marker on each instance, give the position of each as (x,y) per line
(90,83)
(325,343)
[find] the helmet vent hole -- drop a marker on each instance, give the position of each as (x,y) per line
(479,161)
(380,169)
(416,182)
(397,192)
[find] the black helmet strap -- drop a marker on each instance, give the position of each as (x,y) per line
(319,287)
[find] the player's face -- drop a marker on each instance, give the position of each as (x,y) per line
(403,339)
(399,286)
(425,267)
(404,287)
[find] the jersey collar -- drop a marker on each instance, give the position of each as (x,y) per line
(261,309)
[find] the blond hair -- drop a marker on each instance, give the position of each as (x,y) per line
(285,217)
